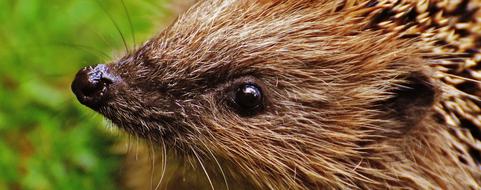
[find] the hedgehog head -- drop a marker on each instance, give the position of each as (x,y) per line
(273,88)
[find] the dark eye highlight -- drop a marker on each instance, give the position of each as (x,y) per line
(248,99)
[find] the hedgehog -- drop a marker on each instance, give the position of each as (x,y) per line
(305,94)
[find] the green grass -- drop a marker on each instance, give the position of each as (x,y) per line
(47,139)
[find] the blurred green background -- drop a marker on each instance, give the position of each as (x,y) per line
(47,139)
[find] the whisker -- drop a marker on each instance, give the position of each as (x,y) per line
(152,157)
(129,143)
(103,38)
(136,148)
(203,168)
(115,25)
(164,164)
(84,47)
(132,31)
(218,165)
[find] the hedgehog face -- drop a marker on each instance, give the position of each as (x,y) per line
(272,87)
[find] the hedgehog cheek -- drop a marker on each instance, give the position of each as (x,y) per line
(413,101)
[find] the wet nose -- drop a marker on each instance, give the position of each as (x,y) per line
(91,85)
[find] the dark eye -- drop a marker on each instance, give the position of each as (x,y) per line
(248,98)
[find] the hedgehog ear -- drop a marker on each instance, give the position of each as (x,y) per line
(412,100)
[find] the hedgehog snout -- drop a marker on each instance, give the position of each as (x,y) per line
(92,85)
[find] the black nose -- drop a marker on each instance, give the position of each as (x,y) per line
(91,85)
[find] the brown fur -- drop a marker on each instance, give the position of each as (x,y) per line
(351,101)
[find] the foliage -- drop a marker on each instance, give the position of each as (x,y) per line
(47,139)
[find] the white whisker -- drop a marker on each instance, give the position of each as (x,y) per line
(203,168)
